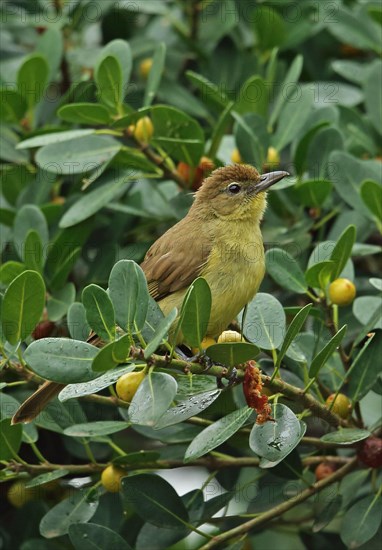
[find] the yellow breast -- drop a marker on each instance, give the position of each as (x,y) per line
(234,271)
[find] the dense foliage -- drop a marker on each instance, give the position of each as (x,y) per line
(112,113)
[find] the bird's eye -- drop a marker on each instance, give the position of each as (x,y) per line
(234,188)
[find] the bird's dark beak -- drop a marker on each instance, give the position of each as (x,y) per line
(267,180)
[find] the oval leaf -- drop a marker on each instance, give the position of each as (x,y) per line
(276,438)
(195,312)
(22,307)
(321,357)
(94,429)
(75,509)
(232,353)
(265,321)
(99,311)
(187,408)
(93,386)
(130,296)
(217,433)
(89,536)
(361,521)
(154,396)
(346,436)
(284,269)
(154,500)
(61,360)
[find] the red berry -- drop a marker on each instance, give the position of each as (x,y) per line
(324,469)
(370,452)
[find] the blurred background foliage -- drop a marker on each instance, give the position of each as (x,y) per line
(87,179)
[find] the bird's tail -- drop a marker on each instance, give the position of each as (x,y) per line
(33,406)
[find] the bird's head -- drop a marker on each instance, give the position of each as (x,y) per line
(236,192)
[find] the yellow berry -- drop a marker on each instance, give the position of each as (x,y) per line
(204,344)
(342,292)
(128,384)
(273,156)
(111,478)
(230,336)
(18,494)
(145,67)
(144,129)
(341,405)
(236,157)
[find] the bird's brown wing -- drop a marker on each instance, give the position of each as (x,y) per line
(176,259)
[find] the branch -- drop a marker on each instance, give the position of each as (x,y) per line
(244,528)
(210,462)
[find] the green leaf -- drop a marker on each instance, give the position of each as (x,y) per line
(160,333)
(177,134)
(29,217)
(155,74)
(265,321)
(292,119)
(195,312)
(13,106)
(217,433)
(186,408)
(362,521)
(293,329)
(61,360)
(53,137)
(220,130)
(253,97)
(320,148)
(276,438)
(84,113)
(232,353)
(10,270)
(46,478)
(284,269)
(154,500)
(287,87)
(120,49)
(33,251)
(23,304)
(368,309)
(152,399)
(89,536)
(90,203)
(108,78)
(94,386)
(348,27)
(366,368)
(51,45)
(251,138)
(347,174)
(373,96)
(77,322)
(318,275)
(10,439)
(301,152)
(129,294)
(78,508)
(96,429)
(269,27)
(32,79)
(59,302)
(212,93)
(322,356)
(99,311)
(313,193)
(327,512)
(371,194)
(346,436)
(342,251)
(78,155)
(112,354)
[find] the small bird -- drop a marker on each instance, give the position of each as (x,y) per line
(219,239)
